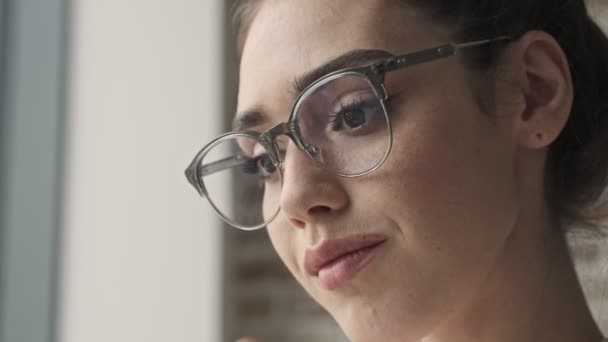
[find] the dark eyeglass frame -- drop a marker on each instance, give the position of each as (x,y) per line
(375,74)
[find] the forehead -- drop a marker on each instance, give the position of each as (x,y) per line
(288,38)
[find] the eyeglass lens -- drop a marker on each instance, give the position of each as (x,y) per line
(346,123)
(345,126)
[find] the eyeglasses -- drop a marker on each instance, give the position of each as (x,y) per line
(340,121)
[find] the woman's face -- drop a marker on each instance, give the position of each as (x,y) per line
(435,216)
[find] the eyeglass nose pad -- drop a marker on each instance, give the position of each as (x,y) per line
(312,149)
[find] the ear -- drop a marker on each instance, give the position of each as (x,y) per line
(543,75)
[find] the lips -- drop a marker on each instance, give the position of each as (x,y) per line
(335,262)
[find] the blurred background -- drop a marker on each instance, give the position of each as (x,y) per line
(103,105)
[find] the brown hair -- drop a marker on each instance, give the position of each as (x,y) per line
(243,12)
(577,164)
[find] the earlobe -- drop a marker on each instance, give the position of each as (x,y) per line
(546,83)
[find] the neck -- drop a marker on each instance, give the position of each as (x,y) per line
(532,294)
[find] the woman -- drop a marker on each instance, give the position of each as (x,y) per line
(418,160)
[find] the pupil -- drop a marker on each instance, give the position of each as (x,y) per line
(354,118)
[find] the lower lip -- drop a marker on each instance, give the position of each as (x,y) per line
(339,272)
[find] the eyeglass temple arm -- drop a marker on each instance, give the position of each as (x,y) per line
(220,165)
(428,55)
(195,172)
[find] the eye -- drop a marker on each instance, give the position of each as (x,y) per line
(356,115)
(354,118)
(260,165)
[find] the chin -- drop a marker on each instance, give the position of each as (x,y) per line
(366,312)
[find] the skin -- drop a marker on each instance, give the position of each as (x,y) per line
(472,253)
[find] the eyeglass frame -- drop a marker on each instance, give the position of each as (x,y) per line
(374,73)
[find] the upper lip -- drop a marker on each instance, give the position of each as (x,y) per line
(328,251)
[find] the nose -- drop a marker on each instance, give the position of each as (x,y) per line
(309,193)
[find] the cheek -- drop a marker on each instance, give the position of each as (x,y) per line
(288,243)
(450,186)
(283,238)
(447,187)
(452,156)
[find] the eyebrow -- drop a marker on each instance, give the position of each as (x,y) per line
(248,119)
(355,58)
(350,59)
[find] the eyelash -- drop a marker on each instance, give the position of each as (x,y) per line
(353,104)
(250,165)
(334,116)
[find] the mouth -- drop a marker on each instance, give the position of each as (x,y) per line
(336,262)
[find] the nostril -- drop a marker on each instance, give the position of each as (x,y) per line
(314,211)
(320,209)
(297,223)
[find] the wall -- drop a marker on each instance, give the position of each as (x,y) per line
(142,253)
